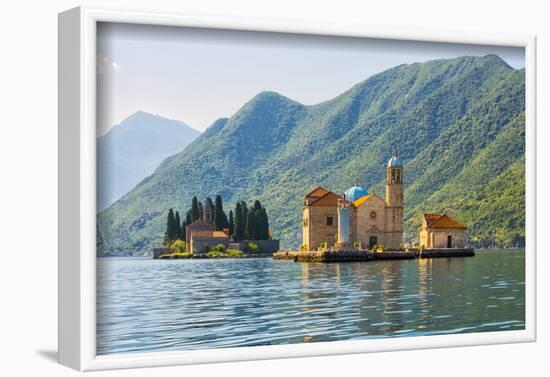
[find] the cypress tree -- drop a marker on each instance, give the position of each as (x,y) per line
(231,223)
(265,225)
(189,217)
(257,224)
(262,225)
(178,226)
(166,240)
(225,220)
(182,230)
(251,225)
(195,215)
(244,216)
(218,213)
(171,229)
(238,231)
(257,205)
(208,211)
(201,212)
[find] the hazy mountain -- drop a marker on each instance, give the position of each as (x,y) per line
(458,124)
(131,151)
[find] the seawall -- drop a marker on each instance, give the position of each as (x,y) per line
(329,256)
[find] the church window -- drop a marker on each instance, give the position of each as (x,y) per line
(373,215)
(329,220)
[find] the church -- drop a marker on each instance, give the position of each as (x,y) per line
(357,217)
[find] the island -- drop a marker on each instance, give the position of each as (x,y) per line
(362,226)
(208,232)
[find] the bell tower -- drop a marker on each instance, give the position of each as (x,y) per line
(394,202)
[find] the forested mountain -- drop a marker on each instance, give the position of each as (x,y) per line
(131,151)
(458,124)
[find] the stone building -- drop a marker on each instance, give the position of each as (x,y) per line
(441,231)
(320,216)
(356,216)
(201,236)
(203,240)
(195,226)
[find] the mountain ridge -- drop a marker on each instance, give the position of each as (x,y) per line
(132,149)
(275,149)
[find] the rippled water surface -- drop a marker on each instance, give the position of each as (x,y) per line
(147,305)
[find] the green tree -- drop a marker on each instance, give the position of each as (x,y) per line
(266,225)
(244,216)
(171,228)
(189,217)
(201,212)
(257,205)
(238,230)
(195,215)
(231,223)
(178,225)
(208,208)
(250,232)
(182,230)
(166,240)
(219,221)
(225,220)
(262,225)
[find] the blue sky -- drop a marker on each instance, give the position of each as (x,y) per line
(200,75)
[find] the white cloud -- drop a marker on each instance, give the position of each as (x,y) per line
(106,66)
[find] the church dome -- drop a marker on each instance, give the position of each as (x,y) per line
(394,162)
(355,192)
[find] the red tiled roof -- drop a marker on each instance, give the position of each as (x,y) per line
(208,233)
(329,199)
(202,233)
(442,221)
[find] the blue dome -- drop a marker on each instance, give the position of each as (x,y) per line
(354,193)
(394,162)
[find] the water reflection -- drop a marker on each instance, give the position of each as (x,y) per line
(146,305)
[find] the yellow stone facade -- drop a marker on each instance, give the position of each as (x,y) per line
(320,225)
(369,221)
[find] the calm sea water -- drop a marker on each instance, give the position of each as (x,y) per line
(148,305)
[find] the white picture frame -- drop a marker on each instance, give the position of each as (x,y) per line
(77,189)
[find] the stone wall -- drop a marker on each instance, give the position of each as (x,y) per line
(157,252)
(203,244)
(370,221)
(265,246)
(437,238)
(424,238)
(315,228)
(394,227)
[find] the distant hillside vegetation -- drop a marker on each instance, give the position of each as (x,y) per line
(458,123)
(131,151)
